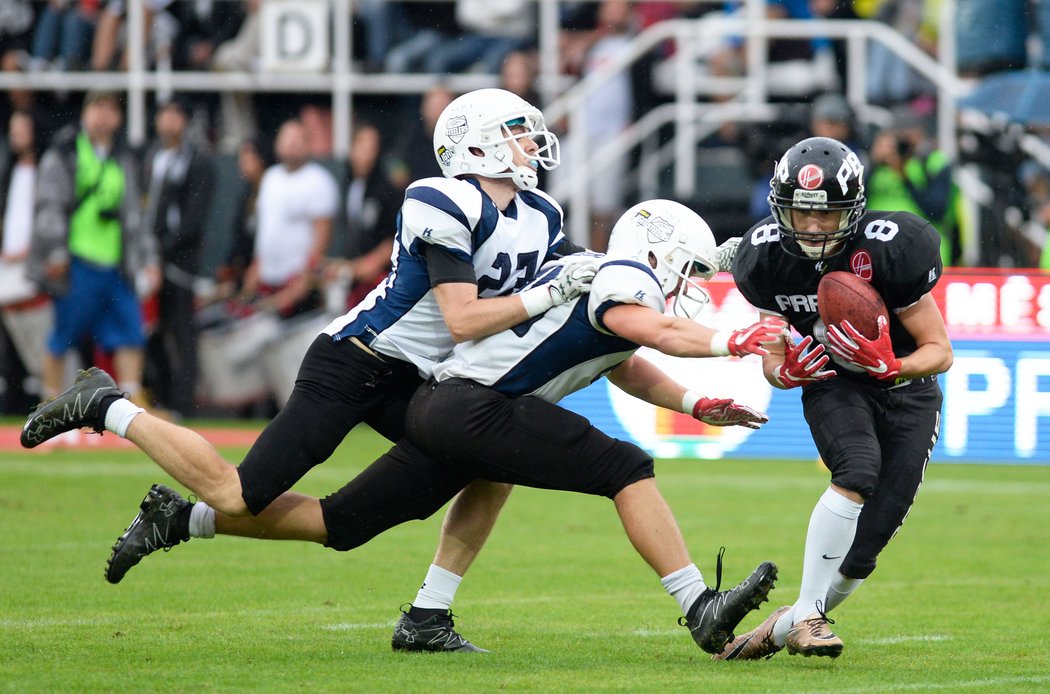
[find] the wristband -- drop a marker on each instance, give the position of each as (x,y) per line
(536,300)
(720,344)
(689,401)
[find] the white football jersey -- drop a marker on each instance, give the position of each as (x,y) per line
(564,349)
(400,318)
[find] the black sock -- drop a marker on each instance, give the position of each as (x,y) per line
(184,521)
(422,614)
(103,408)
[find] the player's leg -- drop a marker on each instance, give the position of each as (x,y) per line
(841,417)
(910,428)
(404,484)
(467,525)
(338,385)
(529,441)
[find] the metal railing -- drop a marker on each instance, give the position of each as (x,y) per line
(692,116)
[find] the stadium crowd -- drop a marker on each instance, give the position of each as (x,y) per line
(213,229)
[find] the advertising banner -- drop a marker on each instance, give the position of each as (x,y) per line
(997,393)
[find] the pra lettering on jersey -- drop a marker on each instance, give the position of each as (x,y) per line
(799,303)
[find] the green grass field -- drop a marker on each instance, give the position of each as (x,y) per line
(961,600)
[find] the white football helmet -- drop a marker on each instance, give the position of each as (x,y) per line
(473,136)
(676,243)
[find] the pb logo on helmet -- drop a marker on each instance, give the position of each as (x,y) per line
(444,155)
(656,228)
(456,128)
(811,177)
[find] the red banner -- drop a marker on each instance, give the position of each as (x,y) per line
(979,303)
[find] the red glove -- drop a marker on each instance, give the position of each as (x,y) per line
(800,367)
(725,413)
(750,340)
(876,356)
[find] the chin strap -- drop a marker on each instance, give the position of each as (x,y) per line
(525,177)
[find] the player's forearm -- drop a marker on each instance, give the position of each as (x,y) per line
(770,363)
(645,381)
(931,358)
(483,317)
(684,338)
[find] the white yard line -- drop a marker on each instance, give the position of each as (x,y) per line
(890,640)
(960,684)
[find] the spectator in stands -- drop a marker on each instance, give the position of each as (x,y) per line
(908,174)
(414,158)
(109,47)
(16,26)
(492,29)
(832,116)
(239,54)
(63,33)
(1035,230)
(805,66)
(296,206)
(89,249)
(430,25)
(518,75)
(26,311)
(179,187)
(253,159)
(990,36)
(890,80)
(203,27)
(372,203)
(608,111)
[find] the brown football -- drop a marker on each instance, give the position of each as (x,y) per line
(844,296)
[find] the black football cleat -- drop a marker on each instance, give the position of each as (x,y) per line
(435,634)
(714,615)
(78,406)
(155,527)
(755,644)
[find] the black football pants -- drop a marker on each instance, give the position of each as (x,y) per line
(877,442)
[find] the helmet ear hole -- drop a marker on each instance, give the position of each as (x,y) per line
(476,151)
(652,260)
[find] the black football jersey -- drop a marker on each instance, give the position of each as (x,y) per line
(898,253)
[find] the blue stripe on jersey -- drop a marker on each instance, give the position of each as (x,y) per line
(599,313)
(439,201)
(490,215)
(574,343)
(405,286)
(549,211)
(454,252)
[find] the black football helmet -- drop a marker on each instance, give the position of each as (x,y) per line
(818,173)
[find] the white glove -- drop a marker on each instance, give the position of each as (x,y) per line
(574,279)
(726,251)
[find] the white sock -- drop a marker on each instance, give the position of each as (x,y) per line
(119,416)
(839,590)
(685,586)
(438,589)
(831,530)
(202,520)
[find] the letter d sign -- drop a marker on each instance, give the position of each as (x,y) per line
(294,35)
